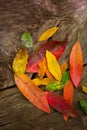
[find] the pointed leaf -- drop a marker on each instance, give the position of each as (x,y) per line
(76,63)
(65,77)
(54,86)
(68,94)
(43,81)
(56,47)
(60,104)
(53,65)
(48,33)
(63,67)
(84,89)
(83,104)
(34,94)
(26,38)
(20,61)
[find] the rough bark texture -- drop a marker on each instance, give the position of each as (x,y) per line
(18,16)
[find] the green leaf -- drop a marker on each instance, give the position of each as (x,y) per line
(54,86)
(65,77)
(83,104)
(27,39)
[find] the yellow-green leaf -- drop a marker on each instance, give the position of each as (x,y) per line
(20,61)
(48,33)
(84,89)
(53,66)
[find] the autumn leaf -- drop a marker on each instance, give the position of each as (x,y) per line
(48,33)
(84,89)
(34,94)
(42,68)
(53,66)
(26,38)
(63,67)
(56,47)
(60,104)
(65,77)
(68,94)
(43,81)
(76,63)
(20,61)
(54,86)
(83,104)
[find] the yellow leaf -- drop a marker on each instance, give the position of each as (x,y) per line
(43,81)
(42,68)
(84,89)
(53,66)
(63,67)
(48,33)
(20,61)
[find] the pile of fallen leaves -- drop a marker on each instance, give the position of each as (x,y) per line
(52,75)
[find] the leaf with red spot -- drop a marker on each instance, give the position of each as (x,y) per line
(68,94)
(76,63)
(33,93)
(60,104)
(56,47)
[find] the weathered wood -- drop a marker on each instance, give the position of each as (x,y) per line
(17,16)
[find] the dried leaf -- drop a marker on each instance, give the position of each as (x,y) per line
(84,89)
(42,68)
(43,81)
(48,33)
(76,63)
(63,67)
(65,77)
(54,86)
(83,104)
(27,40)
(60,104)
(53,66)
(20,61)
(68,94)
(34,94)
(56,47)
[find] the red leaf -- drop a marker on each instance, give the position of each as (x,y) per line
(60,104)
(56,47)
(76,64)
(68,94)
(33,93)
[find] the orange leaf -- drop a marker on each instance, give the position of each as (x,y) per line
(76,63)
(42,68)
(63,67)
(68,94)
(33,93)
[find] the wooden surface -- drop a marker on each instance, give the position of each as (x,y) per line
(37,16)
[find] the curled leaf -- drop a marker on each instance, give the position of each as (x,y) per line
(42,68)
(76,63)
(43,81)
(60,104)
(48,33)
(83,104)
(53,66)
(26,38)
(20,61)
(63,67)
(84,89)
(33,93)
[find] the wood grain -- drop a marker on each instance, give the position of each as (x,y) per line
(37,16)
